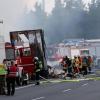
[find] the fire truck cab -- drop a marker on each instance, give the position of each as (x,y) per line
(24,58)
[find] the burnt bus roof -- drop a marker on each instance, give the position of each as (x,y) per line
(28,31)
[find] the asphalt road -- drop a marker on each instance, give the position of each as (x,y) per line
(83,90)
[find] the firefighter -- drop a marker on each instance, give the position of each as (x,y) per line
(2,79)
(84,65)
(11,77)
(5,64)
(37,70)
(80,64)
(70,69)
(90,61)
(76,65)
(64,65)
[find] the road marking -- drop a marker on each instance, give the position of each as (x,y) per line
(71,80)
(67,90)
(25,86)
(38,98)
(85,84)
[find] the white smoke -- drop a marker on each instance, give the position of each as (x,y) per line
(12,11)
(86,3)
(48,5)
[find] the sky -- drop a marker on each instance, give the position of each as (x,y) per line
(11,11)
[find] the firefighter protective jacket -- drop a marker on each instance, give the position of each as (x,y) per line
(37,66)
(12,71)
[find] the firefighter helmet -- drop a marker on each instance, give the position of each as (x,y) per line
(36,58)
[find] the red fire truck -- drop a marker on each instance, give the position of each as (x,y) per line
(25,45)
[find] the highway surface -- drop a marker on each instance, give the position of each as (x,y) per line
(79,90)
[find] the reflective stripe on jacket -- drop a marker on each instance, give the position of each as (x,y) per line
(37,66)
(38,70)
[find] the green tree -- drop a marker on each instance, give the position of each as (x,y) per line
(91,21)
